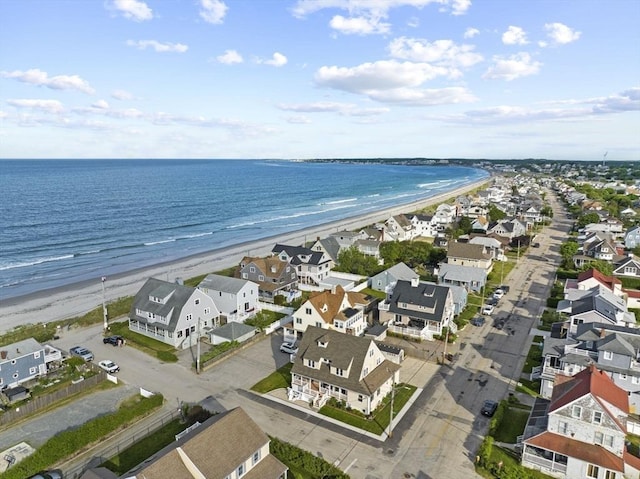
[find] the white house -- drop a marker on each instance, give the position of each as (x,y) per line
(175,314)
(338,310)
(348,368)
(235,298)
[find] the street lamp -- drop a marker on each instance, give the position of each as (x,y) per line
(198,349)
(104,306)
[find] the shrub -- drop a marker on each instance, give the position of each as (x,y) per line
(301,459)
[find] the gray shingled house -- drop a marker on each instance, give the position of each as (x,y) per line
(349,368)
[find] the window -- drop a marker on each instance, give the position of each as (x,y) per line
(371,353)
(13,361)
(15,375)
(597,417)
(635,379)
(245,275)
(339,372)
(318,324)
(298,320)
(307,310)
(197,301)
(608,355)
(32,370)
(609,475)
(256,457)
(366,371)
(598,438)
(623,376)
(360,397)
(189,317)
(563,427)
(260,277)
(180,333)
(576,412)
(592,471)
(241,470)
(311,363)
(36,355)
(193,329)
(207,310)
(252,269)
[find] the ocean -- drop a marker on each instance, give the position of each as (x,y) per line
(65,221)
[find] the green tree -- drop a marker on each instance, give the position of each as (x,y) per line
(567,251)
(602,266)
(464,224)
(352,260)
(495,213)
(588,218)
(547,211)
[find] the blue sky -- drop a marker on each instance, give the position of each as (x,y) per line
(320,79)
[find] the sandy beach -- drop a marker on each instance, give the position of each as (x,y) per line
(79,298)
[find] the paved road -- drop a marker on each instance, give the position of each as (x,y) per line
(438,438)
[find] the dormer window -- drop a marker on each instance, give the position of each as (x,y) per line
(324,308)
(323,344)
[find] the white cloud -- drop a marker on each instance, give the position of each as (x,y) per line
(346,109)
(132,9)
(413,22)
(58,82)
(441,52)
(101,105)
(158,46)
(48,106)
(122,95)
(561,34)
(230,57)
(380,75)
(471,32)
(213,11)
(277,60)
(515,66)
(359,25)
(514,36)
(378,8)
(298,120)
(424,97)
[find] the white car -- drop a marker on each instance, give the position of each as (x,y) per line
(488,309)
(109,366)
(498,294)
(290,348)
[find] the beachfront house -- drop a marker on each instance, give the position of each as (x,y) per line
(25,360)
(273,276)
(335,309)
(348,368)
(175,314)
(418,309)
(235,298)
(229,445)
(467,254)
(312,267)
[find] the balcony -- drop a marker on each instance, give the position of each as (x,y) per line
(545,464)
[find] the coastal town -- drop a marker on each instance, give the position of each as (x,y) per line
(492,334)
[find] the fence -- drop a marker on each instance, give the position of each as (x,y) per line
(46,400)
(114,446)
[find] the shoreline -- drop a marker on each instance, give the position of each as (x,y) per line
(78,298)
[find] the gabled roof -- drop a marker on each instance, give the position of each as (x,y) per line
(589,381)
(177,295)
(616,344)
(300,255)
(225,284)
(19,349)
(459,273)
(591,453)
(271,267)
(233,330)
(430,300)
(400,271)
(216,449)
(329,304)
(467,251)
(605,280)
(344,351)
(331,246)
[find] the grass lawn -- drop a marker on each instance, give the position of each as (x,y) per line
(532,388)
(534,358)
(380,421)
(147,345)
(278,379)
(512,425)
(148,446)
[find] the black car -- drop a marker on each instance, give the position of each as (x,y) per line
(478,321)
(113,340)
(489,408)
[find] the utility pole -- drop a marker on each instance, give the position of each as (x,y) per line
(393,393)
(198,349)
(104,306)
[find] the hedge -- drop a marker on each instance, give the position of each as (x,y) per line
(291,455)
(68,443)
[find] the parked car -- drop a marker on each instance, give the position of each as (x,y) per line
(488,309)
(109,366)
(478,321)
(51,474)
(81,352)
(113,340)
(498,294)
(290,348)
(489,408)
